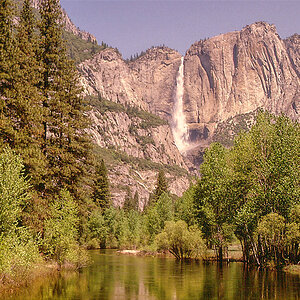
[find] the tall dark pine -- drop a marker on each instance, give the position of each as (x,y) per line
(28,99)
(65,143)
(161,185)
(128,202)
(6,73)
(101,194)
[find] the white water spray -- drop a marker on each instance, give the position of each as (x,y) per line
(180,128)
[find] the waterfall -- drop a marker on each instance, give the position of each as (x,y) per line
(180,128)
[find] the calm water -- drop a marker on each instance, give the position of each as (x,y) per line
(114,276)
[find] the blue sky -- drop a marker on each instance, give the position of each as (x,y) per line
(133,26)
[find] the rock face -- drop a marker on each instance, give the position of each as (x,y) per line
(238,72)
(148,82)
(129,134)
(224,76)
(69,25)
(138,146)
(227,78)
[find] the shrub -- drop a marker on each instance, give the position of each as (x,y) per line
(181,241)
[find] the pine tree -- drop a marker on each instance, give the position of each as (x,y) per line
(136,201)
(128,202)
(6,73)
(28,99)
(101,195)
(65,143)
(161,185)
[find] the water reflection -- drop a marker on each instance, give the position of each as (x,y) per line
(113,276)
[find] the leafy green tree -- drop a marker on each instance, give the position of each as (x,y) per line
(165,209)
(214,209)
(98,228)
(101,194)
(61,231)
(18,250)
(265,161)
(185,207)
(13,190)
(180,241)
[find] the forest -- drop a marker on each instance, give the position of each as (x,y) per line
(55,200)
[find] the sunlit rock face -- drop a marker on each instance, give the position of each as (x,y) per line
(224,76)
(148,82)
(238,72)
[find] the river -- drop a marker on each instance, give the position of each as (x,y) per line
(112,276)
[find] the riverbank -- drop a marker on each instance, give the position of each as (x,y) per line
(39,272)
(292,269)
(233,255)
(11,284)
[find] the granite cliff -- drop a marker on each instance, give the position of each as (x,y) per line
(238,72)
(224,76)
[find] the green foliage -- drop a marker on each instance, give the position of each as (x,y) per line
(101,194)
(13,190)
(18,254)
(277,240)
(131,203)
(80,50)
(212,197)
(185,207)
(61,231)
(165,209)
(258,176)
(181,241)
(18,251)
(161,185)
(98,229)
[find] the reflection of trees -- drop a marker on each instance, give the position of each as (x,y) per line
(125,277)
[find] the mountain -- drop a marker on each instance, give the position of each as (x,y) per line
(227,78)
(69,25)
(132,103)
(238,72)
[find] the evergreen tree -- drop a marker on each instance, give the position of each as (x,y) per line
(65,143)
(28,115)
(6,73)
(101,195)
(136,201)
(131,203)
(161,185)
(128,202)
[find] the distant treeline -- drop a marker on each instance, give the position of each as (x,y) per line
(137,55)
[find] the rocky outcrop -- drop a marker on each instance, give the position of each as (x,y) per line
(148,82)
(138,146)
(69,25)
(130,134)
(238,72)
